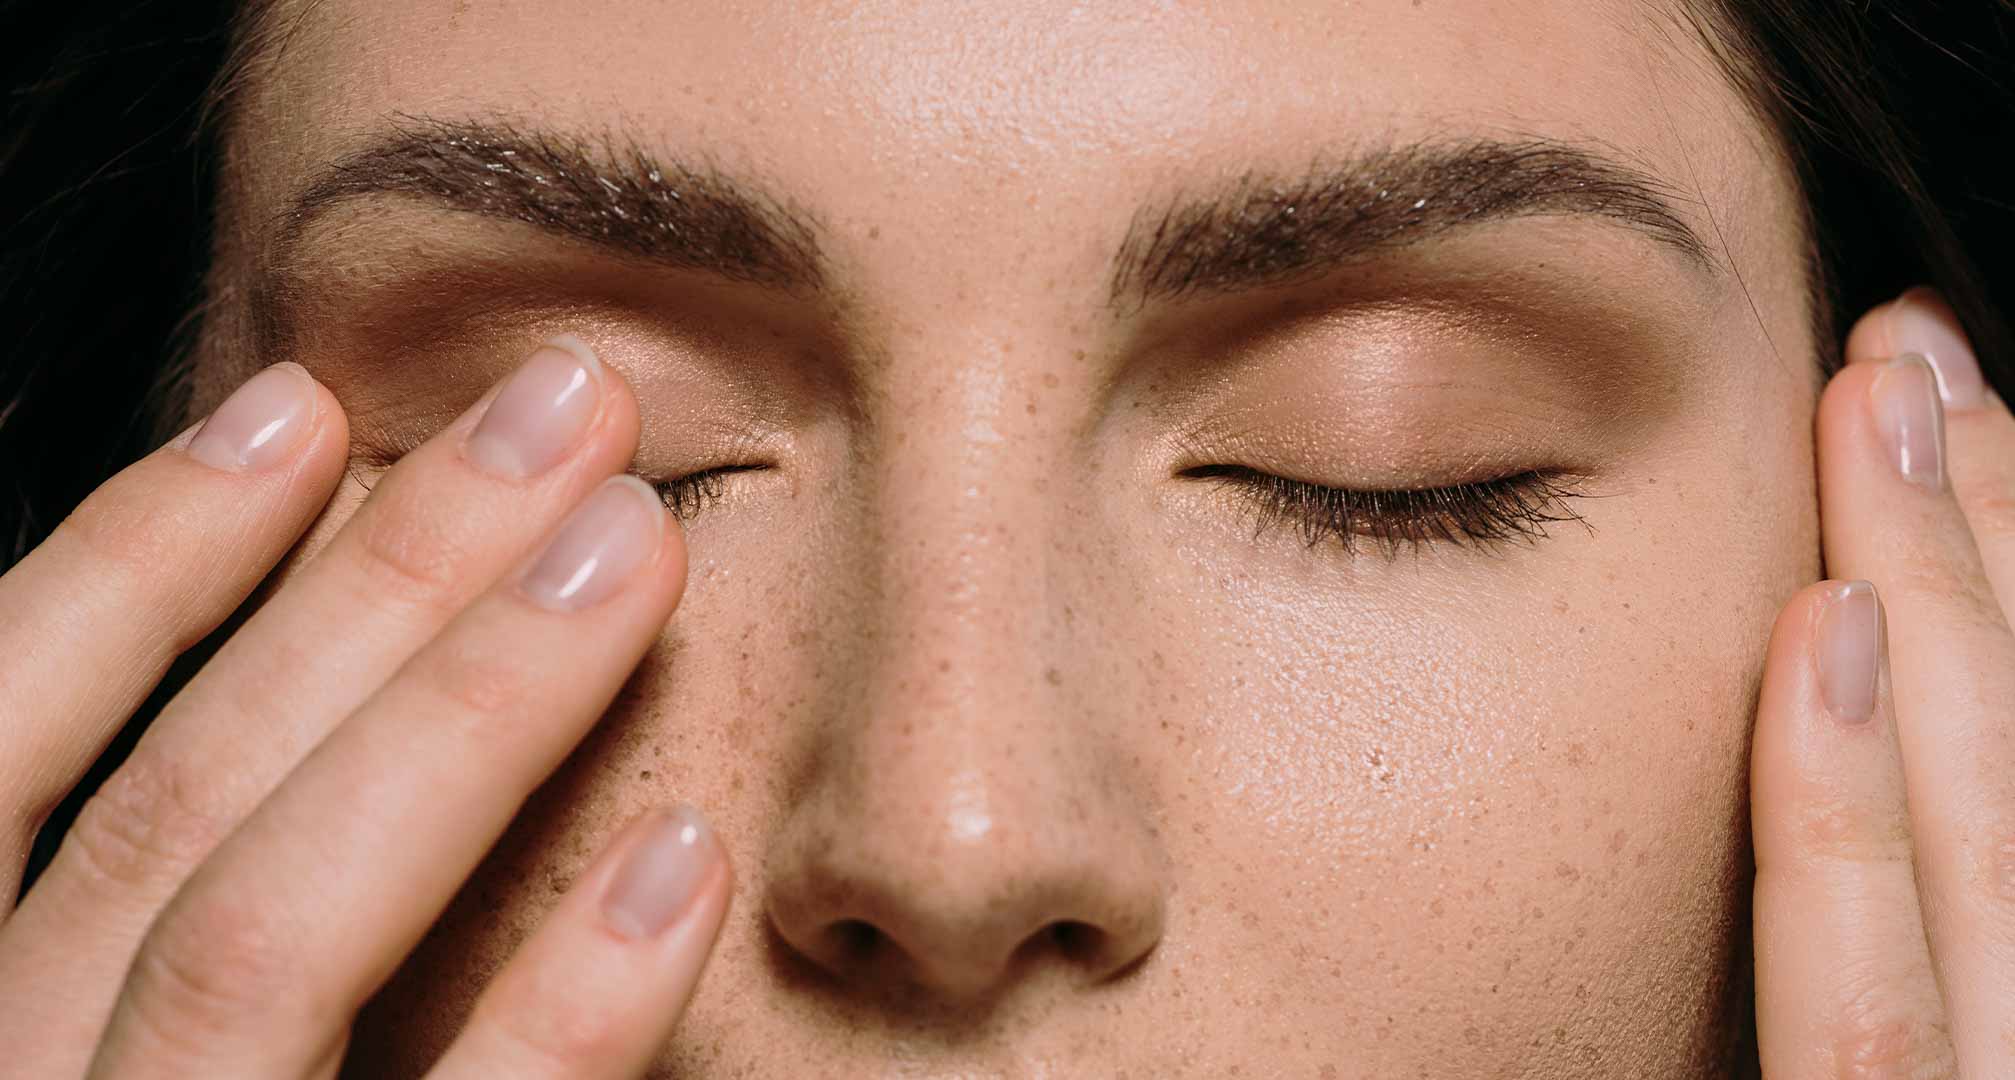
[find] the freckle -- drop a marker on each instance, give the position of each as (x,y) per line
(1616,841)
(1078,356)
(944,665)
(644,775)
(1049,379)
(1053,676)
(1030,406)
(1566,872)
(874,232)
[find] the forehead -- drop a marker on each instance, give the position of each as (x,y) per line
(949,116)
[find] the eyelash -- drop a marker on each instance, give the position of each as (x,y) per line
(687,495)
(1480,513)
(1485,514)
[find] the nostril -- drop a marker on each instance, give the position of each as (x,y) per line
(1077,941)
(856,939)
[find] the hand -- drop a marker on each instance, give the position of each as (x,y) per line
(1883,771)
(305,806)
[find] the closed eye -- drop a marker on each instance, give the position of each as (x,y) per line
(685,496)
(1516,508)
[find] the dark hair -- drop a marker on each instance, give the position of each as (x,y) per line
(1890,114)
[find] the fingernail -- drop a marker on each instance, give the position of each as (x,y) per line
(541,411)
(1920,322)
(661,875)
(261,423)
(1844,650)
(613,531)
(1911,419)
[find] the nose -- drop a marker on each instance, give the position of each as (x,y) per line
(968,817)
(961,884)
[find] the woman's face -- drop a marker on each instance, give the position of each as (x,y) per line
(1043,742)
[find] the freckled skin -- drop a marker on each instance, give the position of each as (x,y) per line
(968,669)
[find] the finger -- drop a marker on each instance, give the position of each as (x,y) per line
(1843,976)
(437,529)
(261,960)
(149,564)
(1889,517)
(1979,431)
(597,991)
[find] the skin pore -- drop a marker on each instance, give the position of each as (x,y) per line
(1035,757)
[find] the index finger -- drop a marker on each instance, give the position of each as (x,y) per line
(143,569)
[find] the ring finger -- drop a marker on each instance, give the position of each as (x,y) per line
(436,530)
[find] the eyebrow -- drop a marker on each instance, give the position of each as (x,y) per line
(606,191)
(1256,231)
(1262,230)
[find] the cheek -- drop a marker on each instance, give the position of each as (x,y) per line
(1519,804)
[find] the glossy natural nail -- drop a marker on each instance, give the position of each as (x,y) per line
(611,533)
(261,423)
(1846,650)
(540,413)
(1921,323)
(661,875)
(1910,419)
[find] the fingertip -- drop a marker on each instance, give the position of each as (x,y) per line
(1870,338)
(1787,668)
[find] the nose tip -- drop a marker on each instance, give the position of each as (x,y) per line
(967,912)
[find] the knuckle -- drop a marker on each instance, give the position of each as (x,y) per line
(1831,829)
(1867,1047)
(148,826)
(411,553)
(120,537)
(482,684)
(564,1035)
(1989,876)
(209,967)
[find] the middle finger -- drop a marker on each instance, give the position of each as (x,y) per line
(435,531)
(257,965)
(1889,516)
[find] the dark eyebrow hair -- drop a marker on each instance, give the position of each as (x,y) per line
(604,190)
(1265,230)
(1258,230)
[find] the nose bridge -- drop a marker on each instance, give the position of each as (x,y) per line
(962,584)
(956,727)
(959,821)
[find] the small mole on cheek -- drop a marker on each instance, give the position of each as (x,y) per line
(1053,676)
